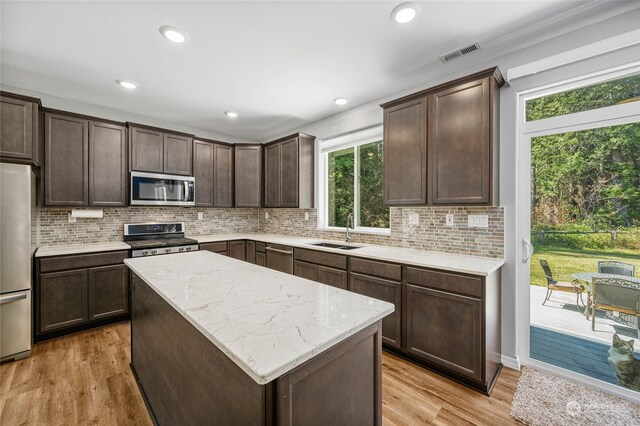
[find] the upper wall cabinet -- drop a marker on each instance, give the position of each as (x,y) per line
(213,171)
(156,151)
(441,144)
(20,129)
(248,175)
(85,162)
(288,172)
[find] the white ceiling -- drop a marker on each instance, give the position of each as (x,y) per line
(279,64)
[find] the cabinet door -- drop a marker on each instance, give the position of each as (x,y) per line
(272,175)
(261,259)
(147,152)
(203,172)
(248,176)
(237,250)
(460,144)
(108,291)
(445,329)
(107,164)
(289,173)
(177,154)
(66,161)
(18,133)
(332,277)
(305,270)
(251,252)
(63,300)
(405,153)
(388,291)
(223,175)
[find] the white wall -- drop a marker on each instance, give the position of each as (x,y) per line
(371,113)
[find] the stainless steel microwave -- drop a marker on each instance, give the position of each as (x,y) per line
(154,189)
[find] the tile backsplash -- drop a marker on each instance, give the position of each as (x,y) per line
(56,229)
(429,233)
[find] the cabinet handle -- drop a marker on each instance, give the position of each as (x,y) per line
(279,251)
(12,298)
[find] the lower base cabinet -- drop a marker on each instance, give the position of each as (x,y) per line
(261,259)
(237,250)
(78,292)
(251,252)
(322,274)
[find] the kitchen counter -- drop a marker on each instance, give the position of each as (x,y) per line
(65,249)
(267,322)
(474,265)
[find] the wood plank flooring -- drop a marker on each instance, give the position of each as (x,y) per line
(84,379)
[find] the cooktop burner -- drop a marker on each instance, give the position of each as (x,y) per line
(149,239)
(165,242)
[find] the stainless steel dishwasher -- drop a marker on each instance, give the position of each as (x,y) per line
(280,258)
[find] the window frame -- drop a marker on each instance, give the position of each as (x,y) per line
(352,139)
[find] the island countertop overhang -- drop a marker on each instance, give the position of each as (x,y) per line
(265,321)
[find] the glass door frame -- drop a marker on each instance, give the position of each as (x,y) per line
(526,131)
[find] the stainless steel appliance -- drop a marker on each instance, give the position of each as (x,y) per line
(17,246)
(153,189)
(152,239)
(280,258)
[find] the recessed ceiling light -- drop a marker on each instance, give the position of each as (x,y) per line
(127,84)
(404,12)
(231,114)
(340,101)
(174,34)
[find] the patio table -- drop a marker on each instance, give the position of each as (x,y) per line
(587,278)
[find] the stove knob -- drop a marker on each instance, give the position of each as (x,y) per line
(181,249)
(188,248)
(144,253)
(167,250)
(154,251)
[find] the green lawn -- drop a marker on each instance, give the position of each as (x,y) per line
(565,261)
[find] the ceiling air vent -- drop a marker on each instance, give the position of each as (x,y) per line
(450,56)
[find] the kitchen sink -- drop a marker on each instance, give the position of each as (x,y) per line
(334,245)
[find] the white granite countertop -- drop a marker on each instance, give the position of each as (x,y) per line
(266,321)
(474,265)
(80,248)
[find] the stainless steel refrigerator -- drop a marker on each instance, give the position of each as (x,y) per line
(18,242)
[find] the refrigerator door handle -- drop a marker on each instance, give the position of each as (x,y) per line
(12,298)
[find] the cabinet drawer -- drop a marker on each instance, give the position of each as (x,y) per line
(379,269)
(260,247)
(321,258)
(62,263)
(333,277)
(454,283)
(214,247)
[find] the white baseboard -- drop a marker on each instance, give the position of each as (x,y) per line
(512,363)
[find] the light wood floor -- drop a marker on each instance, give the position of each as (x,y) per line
(84,379)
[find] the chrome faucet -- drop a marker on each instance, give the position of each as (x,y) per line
(349,226)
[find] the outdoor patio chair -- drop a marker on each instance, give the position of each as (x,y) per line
(563,286)
(617,268)
(614,294)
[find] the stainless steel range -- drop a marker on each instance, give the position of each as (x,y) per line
(152,239)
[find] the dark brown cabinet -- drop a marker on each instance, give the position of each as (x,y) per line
(77,292)
(157,151)
(288,172)
(279,258)
(325,268)
(251,252)
(389,291)
(66,177)
(107,164)
(213,172)
(237,250)
(219,247)
(461,145)
(261,259)
(20,129)
(85,162)
(441,144)
(248,175)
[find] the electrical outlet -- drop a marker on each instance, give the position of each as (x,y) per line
(200,215)
(414,219)
(449,219)
(478,221)
(72,219)
(266,215)
(306,216)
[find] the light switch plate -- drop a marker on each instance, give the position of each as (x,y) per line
(72,219)
(266,215)
(306,216)
(449,219)
(200,215)
(413,219)
(478,221)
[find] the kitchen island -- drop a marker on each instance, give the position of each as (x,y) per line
(220,341)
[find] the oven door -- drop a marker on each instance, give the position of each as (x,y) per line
(152,189)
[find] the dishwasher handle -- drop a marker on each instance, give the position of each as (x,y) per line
(279,251)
